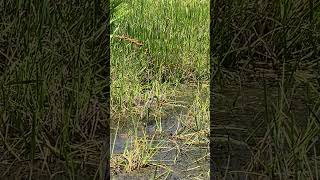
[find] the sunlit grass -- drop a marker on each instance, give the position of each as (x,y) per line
(158,47)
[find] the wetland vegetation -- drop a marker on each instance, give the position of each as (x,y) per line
(53,113)
(264,96)
(265,90)
(160,89)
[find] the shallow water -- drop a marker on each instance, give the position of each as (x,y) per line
(187,155)
(240,113)
(237,114)
(189,163)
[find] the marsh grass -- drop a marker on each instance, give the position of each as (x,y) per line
(137,154)
(252,39)
(158,47)
(52,109)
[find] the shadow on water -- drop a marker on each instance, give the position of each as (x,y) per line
(241,121)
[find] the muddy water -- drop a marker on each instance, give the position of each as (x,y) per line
(181,169)
(239,112)
(189,163)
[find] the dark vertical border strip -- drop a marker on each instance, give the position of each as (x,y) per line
(215,8)
(105,63)
(107,90)
(107,175)
(213,20)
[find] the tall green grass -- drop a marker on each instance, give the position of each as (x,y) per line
(158,48)
(175,47)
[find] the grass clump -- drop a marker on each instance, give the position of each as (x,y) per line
(138,154)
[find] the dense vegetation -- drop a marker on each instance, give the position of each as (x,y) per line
(54,83)
(53,57)
(159,54)
(276,45)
